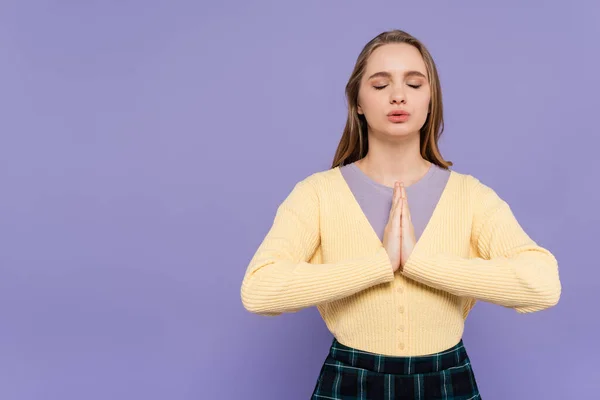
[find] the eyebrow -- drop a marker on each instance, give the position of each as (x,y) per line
(385,74)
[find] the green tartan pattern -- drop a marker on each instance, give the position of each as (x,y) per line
(351,374)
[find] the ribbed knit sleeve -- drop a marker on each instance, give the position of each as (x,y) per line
(280,278)
(511,270)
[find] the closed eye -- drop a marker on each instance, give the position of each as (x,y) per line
(384,86)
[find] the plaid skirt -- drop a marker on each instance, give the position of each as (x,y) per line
(349,373)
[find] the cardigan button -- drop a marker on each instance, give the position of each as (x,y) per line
(401,309)
(401,346)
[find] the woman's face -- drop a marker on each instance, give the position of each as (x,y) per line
(395,79)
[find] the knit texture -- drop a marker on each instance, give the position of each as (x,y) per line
(322,251)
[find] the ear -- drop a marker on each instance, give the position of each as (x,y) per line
(359,110)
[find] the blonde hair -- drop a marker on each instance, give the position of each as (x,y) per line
(354,143)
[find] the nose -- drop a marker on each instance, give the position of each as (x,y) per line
(398,96)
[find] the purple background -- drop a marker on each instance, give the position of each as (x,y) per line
(145,145)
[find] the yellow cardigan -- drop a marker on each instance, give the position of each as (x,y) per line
(322,251)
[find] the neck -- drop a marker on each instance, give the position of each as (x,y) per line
(387,162)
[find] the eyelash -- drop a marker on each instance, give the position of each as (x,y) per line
(383,87)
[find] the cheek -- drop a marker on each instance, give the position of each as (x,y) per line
(363,101)
(424,97)
(424,104)
(369,99)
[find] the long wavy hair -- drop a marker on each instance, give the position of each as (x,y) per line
(354,143)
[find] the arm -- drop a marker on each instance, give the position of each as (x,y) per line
(512,270)
(280,277)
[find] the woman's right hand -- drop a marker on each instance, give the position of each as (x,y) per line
(392,233)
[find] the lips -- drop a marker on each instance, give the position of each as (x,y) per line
(398,113)
(398,116)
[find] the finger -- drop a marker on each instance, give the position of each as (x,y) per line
(404,202)
(406,207)
(401,211)
(393,214)
(396,207)
(406,219)
(403,196)
(397,192)
(395,198)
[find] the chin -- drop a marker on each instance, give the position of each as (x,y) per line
(400,131)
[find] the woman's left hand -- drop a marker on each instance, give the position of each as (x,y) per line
(407,230)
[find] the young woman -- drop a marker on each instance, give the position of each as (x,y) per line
(392,246)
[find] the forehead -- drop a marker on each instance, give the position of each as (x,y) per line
(395,58)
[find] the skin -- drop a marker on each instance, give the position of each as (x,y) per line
(395,78)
